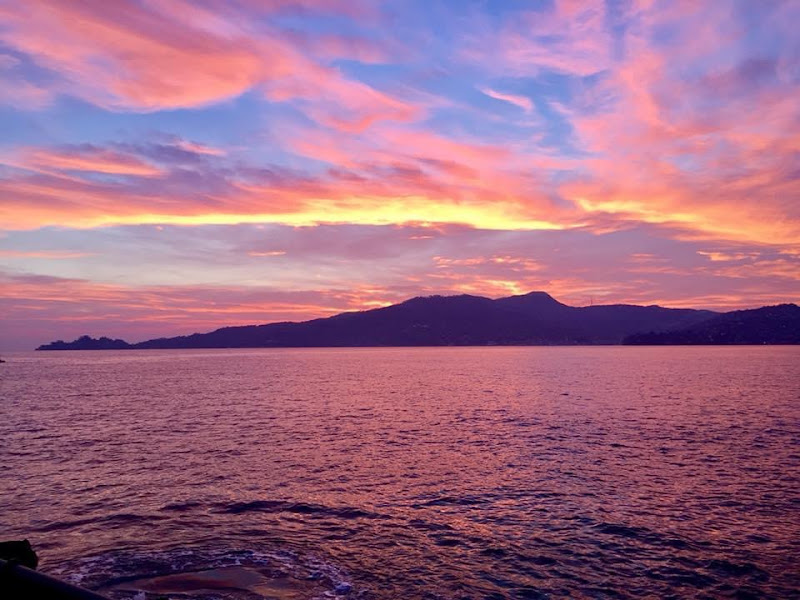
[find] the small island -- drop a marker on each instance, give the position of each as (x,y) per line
(86,342)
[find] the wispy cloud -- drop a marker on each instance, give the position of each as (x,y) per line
(45,254)
(521,101)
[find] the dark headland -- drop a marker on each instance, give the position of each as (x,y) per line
(530,319)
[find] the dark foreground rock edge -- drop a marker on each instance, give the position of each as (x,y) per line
(534,319)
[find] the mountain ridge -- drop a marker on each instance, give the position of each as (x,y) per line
(777,324)
(535,318)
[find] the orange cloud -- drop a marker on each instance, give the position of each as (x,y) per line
(45,254)
(391,176)
(86,158)
(269,253)
(727,256)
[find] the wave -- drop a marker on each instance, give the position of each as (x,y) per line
(106,522)
(303,508)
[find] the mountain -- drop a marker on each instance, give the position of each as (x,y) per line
(768,325)
(530,319)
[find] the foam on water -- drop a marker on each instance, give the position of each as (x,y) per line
(206,573)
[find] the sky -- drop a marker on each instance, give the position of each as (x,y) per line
(173,166)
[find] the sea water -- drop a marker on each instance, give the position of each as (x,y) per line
(582,472)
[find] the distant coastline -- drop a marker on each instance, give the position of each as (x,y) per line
(534,319)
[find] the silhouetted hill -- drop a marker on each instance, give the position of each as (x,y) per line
(530,319)
(87,343)
(768,325)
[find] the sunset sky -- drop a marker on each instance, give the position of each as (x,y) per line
(171,166)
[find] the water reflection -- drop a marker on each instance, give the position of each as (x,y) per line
(416,473)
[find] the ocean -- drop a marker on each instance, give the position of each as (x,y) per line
(408,473)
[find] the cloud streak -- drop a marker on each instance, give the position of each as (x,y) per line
(519,101)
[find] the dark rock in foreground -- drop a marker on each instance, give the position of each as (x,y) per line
(19,552)
(768,325)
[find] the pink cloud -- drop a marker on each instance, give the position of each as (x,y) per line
(86,158)
(44,254)
(571,37)
(356,9)
(327,47)
(664,133)
(171,54)
(197,148)
(140,62)
(672,146)
(521,101)
(339,103)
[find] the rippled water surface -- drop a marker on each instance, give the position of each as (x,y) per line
(605,472)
